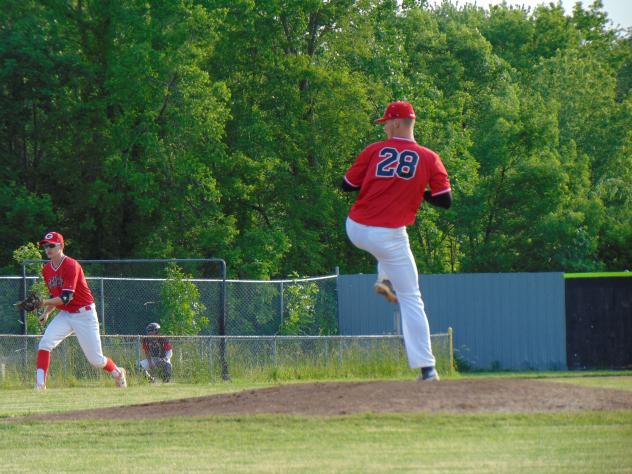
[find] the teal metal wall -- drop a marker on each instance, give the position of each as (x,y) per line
(510,321)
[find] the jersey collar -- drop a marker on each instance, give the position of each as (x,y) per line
(58,266)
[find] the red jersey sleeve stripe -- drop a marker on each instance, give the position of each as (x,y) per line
(350,183)
(441,192)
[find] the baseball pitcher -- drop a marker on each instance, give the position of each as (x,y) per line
(392,177)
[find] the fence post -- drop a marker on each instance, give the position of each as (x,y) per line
(138,349)
(281,304)
(274,351)
(337,300)
(451,342)
(22,312)
(25,359)
(62,350)
(210,356)
(222,326)
(340,353)
(102,307)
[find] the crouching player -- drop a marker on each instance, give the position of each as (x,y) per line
(158,351)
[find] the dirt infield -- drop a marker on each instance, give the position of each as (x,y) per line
(342,398)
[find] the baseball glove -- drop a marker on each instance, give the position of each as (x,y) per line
(30,303)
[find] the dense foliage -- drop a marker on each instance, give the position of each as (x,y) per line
(181,311)
(222,128)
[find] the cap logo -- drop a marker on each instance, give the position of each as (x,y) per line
(48,236)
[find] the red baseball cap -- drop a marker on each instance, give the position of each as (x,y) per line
(399,109)
(52,238)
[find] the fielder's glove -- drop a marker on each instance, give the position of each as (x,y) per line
(30,303)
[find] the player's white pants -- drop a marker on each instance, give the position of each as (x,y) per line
(396,262)
(144,363)
(85,325)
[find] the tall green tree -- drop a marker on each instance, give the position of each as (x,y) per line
(217,128)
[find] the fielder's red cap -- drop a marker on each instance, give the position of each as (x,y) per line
(52,238)
(399,109)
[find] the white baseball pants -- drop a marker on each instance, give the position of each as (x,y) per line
(85,325)
(396,262)
(144,363)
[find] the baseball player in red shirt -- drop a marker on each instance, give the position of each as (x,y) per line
(391,177)
(158,351)
(71,295)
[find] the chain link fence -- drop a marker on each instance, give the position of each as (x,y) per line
(255,307)
(257,330)
(10,292)
(198,359)
(126,305)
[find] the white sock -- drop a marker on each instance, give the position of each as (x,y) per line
(40,377)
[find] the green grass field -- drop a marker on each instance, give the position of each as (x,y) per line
(21,402)
(551,442)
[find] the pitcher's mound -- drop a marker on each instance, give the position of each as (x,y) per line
(342,398)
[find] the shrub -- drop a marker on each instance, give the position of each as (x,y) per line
(181,311)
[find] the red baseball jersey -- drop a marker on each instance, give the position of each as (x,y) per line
(156,346)
(68,276)
(392,176)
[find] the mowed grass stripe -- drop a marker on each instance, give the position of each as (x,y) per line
(23,402)
(551,442)
(617,383)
